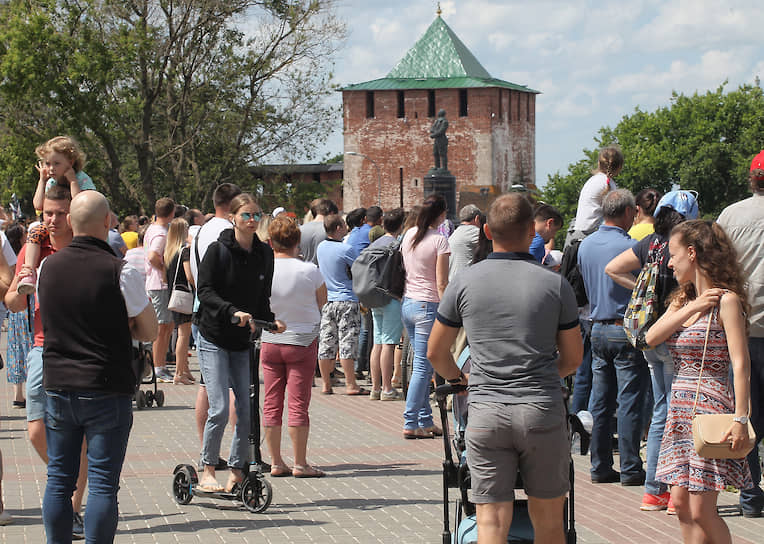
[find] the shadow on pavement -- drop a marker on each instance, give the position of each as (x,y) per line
(246,523)
(393,469)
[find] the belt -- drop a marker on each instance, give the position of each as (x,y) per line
(618,322)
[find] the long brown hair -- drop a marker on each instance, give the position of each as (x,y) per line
(716,256)
(434,205)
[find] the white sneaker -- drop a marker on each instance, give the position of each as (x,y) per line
(392,395)
(5,518)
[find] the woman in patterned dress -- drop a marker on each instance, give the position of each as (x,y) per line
(711,287)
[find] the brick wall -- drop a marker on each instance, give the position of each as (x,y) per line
(493,145)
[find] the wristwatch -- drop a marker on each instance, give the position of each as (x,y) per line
(454,381)
(741,419)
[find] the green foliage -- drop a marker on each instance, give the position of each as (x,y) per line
(167,98)
(702,142)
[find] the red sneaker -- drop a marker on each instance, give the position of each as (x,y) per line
(653,503)
(671,511)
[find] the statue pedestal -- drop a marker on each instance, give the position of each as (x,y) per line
(445,184)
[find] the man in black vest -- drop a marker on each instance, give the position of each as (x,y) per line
(87,373)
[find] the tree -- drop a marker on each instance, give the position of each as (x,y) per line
(702,142)
(168,97)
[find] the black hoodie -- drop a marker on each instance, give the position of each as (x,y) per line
(232,279)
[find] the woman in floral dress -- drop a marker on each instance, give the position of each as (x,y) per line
(711,287)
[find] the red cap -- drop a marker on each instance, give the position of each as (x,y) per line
(758,162)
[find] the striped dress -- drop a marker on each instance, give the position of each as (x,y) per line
(678,464)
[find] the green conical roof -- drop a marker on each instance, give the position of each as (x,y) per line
(438,60)
(439,53)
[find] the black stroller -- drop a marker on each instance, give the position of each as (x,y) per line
(143,366)
(255,492)
(457,475)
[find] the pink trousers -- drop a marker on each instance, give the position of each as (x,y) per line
(289,369)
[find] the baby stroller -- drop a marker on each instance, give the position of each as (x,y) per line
(143,366)
(456,474)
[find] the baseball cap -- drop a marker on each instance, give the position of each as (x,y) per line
(277,211)
(758,162)
(685,202)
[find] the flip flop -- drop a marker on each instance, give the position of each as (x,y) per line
(330,392)
(358,393)
(231,485)
(307,472)
(280,471)
(210,488)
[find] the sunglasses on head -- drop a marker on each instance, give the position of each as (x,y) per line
(246,216)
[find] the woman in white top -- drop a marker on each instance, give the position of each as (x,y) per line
(589,212)
(289,359)
(425,256)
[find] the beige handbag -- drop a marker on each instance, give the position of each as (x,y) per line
(708,429)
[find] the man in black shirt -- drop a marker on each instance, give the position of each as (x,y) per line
(87,373)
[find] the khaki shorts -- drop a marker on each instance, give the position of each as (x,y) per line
(505,438)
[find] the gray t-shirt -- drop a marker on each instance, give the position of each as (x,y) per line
(511,308)
(311,234)
(463,243)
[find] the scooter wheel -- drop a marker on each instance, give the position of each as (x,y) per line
(140,399)
(256,494)
(149,398)
(159,397)
(181,486)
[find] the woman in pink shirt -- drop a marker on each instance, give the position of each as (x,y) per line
(425,257)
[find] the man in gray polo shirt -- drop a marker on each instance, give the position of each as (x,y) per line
(517,415)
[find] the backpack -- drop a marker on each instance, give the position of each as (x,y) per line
(569,269)
(378,275)
(642,312)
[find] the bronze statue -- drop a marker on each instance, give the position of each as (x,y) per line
(440,141)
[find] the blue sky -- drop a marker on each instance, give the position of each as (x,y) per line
(594,62)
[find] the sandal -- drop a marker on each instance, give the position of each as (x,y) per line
(329,392)
(279,471)
(210,487)
(307,471)
(360,392)
(233,481)
(189,377)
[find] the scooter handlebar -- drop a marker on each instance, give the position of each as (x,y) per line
(265,325)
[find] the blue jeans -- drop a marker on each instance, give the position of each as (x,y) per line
(418,318)
(105,421)
(619,376)
(222,369)
(582,383)
(753,499)
(661,367)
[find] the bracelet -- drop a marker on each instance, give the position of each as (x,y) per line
(455,381)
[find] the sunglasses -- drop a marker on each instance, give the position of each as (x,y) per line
(246,216)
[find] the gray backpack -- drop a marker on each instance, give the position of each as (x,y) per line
(375,273)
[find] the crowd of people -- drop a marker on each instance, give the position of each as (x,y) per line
(183,279)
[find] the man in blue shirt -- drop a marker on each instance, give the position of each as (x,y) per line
(341,315)
(546,222)
(619,370)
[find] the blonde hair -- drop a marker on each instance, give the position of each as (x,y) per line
(177,233)
(67,146)
(262,228)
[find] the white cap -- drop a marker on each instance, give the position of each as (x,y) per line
(278,210)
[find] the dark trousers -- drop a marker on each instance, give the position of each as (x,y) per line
(753,499)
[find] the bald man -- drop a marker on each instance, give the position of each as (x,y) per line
(87,373)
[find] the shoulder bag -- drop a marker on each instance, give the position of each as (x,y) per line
(181,299)
(708,429)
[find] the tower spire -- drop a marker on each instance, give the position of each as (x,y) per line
(439,11)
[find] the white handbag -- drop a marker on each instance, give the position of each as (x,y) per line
(181,300)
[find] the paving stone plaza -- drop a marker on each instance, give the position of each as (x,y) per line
(378,488)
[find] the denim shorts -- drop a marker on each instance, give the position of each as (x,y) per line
(388,325)
(503,439)
(36,397)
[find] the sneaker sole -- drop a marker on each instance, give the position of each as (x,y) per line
(653,507)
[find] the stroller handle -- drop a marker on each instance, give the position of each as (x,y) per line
(446,389)
(265,325)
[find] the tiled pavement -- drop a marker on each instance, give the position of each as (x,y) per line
(379,487)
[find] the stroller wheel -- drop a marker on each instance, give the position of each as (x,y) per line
(159,397)
(256,493)
(182,482)
(140,399)
(149,398)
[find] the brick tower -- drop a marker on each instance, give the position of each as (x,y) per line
(386,123)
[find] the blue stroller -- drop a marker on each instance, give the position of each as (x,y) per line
(456,474)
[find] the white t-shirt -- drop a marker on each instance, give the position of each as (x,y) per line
(589,213)
(293,301)
(463,243)
(10,259)
(209,233)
